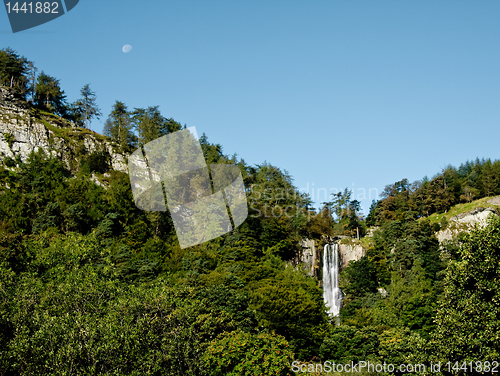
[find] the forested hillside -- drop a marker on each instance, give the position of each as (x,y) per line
(90,284)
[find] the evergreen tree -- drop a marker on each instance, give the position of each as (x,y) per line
(49,94)
(371,219)
(118,126)
(13,70)
(32,81)
(87,107)
(149,124)
(490,179)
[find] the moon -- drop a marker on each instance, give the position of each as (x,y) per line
(127,48)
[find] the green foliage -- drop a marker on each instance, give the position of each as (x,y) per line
(97,161)
(49,94)
(412,301)
(397,345)
(277,210)
(69,314)
(472,180)
(291,305)
(358,278)
(346,344)
(346,212)
(9,137)
(371,219)
(399,244)
(240,353)
(468,312)
(85,108)
(118,126)
(405,260)
(13,71)
(150,124)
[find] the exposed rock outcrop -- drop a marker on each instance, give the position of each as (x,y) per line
(465,222)
(350,252)
(309,257)
(23,130)
(371,230)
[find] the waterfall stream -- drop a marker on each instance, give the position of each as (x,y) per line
(331,268)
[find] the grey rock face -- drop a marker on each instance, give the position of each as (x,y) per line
(309,257)
(350,252)
(21,133)
(465,222)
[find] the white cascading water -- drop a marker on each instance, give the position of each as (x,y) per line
(331,290)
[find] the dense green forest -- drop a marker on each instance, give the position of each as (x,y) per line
(90,284)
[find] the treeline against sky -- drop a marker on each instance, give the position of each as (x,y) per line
(90,284)
(471,181)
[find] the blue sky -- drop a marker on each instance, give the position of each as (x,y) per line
(355,94)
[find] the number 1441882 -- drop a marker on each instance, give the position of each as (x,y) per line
(38,7)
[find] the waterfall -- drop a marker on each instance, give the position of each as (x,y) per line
(331,291)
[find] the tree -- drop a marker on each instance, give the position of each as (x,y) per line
(291,305)
(13,70)
(118,126)
(32,78)
(240,353)
(469,194)
(371,219)
(87,107)
(490,179)
(150,124)
(468,314)
(358,279)
(345,344)
(347,213)
(49,94)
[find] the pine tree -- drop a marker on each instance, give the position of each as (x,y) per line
(149,124)
(49,94)
(13,70)
(489,179)
(87,106)
(118,126)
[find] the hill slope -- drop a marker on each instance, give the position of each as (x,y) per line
(23,130)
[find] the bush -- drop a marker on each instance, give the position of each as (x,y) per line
(240,353)
(346,343)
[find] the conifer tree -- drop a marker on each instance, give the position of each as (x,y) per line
(13,70)
(49,94)
(87,107)
(118,126)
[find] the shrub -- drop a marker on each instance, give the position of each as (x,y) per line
(240,353)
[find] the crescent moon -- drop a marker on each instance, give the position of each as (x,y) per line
(127,48)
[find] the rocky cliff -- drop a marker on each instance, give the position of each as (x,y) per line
(24,129)
(465,222)
(311,255)
(350,252)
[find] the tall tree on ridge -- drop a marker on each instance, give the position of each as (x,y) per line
(32,79)
(49,93)
(149,123)
(87,106)
(118,126)
(13,69)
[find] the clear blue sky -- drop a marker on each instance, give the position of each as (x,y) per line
(354,94)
